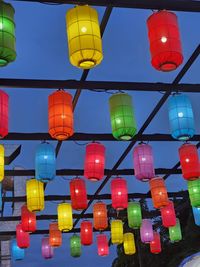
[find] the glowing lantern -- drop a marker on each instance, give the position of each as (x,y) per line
(75,246)
(117,232)
(4,105)
(168,215)
(23,238)
(61,120)
(102,245)
(194,192)
(65,219)
(2,152)
(164,39)
(28,220)
(84,37)
(55,235)
(155,245)
(78,194)
(100,217)
(119,193)
(146,231)
(86,233)
(129,244)
(17,253)
(196,214)
(47,250)
(181,117)
(175,234)
(158,192)
(94,161)
(134,215)
(35,195)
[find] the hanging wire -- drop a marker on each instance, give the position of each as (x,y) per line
(101,91)
(65,179)
(81,144)
(49,3)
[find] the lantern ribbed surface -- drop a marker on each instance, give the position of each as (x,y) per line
(86,233)
(194,192)
(168,215)
(146,231)
(28,220)
(158,192)
(100,217)
(119,193)
(134,215)
(78,194)
(2,155)
(16,252)
(175,234)
(196,214)
(155,245)
(4,115)
(55,235)
(35,195)
(122,116)
(75,246)
(47,250)
(102,245)
(65,219)
(129,244)
(23,238)
(117,232)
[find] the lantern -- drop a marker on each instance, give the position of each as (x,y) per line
(155,244)
(134,215)
(175,234)
(61,121)
(117,232)
(75,246)
(94,161)
(102,245)
(86,233)
(158,192)
(47,250)
(84,37)
(165,42)
(65,219)
(129,244)
(23,238)
(28,220)
(189,160)
(146,231)
(119,194)
(35,195)
(78,194)
(17,253)
(4,105)
(168,215)
(45,162)
(100,217)
(55,236)
(194,192)
(181,117)
(122,116)
(196,214)
(1,163)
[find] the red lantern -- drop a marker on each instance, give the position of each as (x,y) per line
(28,220)
(78,194)
(100,217)
(55,235)
(102,245)
(4,99)
(94,161)
(189,160)
(119,193)
(168,215)
(86,233)
(158,192)
(23,238)
(155,245)
(165,42)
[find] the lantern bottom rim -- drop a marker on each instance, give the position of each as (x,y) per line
(3,62)
(87,64)
(125,137)
(168,66)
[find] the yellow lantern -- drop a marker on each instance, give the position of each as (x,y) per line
(35,195)
(117,232)
(65,219)
(129,244)
(1,163)
(84,37)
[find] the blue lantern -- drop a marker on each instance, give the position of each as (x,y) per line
(196,213)
(45,162)
(181,117)
(17,253)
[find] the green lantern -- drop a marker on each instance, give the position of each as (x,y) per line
(122,116)
(175,234)
(194,192)
(75,246)
(134,215)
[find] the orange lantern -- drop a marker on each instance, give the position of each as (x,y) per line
(100,216)
(158,192)
(55,235)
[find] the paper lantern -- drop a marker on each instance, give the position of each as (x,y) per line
(146,231)
(143,162)
(100,217)
(55,235)
(155,244)
(47,250)
(84,37)
(158,192)
(134,215)
(94,161)
(28,220)
(102,245)
(65,219)
(35,195)
(75,246)
(23,238)
(164,40)
(181,118)
(2,152)
(175,234)
(196,214)
(117,232)
(45,162)
(119,193)
(189,160)
(4,104)
(129,244)
(168,215)
(194,192)
(86,233)
(78,194)
(17,253)
(61,121)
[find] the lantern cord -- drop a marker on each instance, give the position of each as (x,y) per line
(101,91)
(81,144)
(52,4)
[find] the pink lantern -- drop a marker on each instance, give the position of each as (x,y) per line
(102,245)
(146,231)
(168,215)
(47,250)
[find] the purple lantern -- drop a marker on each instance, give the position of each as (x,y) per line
(143,162)
(47,250)
(146,231)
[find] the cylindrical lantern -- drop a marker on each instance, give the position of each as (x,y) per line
(86,233)
(35,195)
(194,192)
(17,252)
(84,37)
(158,192)
(45,162)
(181,118)
(146,231)
(28,220)
(94,161)
(47,250)
(61,118)
(23,238)
(65,219)
(78,194)
(102,245)
(134,215)
(2,152)
(119,193)
(55,235)
(168,215)
(175,234)
(75,246)
(100,217)
(196,214)
(155,244)
(117,232)
(129,244)
(4,106)
(122,116)
(164,40)
(189,160)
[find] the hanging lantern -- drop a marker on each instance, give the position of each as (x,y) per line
(194,192)
(102,245)
(134,215)
(155,245)
(65,219)
(119,193)
(196,214)
(129,244)
(94,161)
(86,233)
(78,194)
(168,215)
(117,232)
(146,231)
(61,121)
(28,220)
(4,104)
(2,152)
(75,246)
(55,235)
(35,195)
(100,217)
(189,160)
(23,238)
(84,37)
(181,118)
(17,253)
(45,162)
(158,192)
(165,42)
(47,250)
(175,234)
